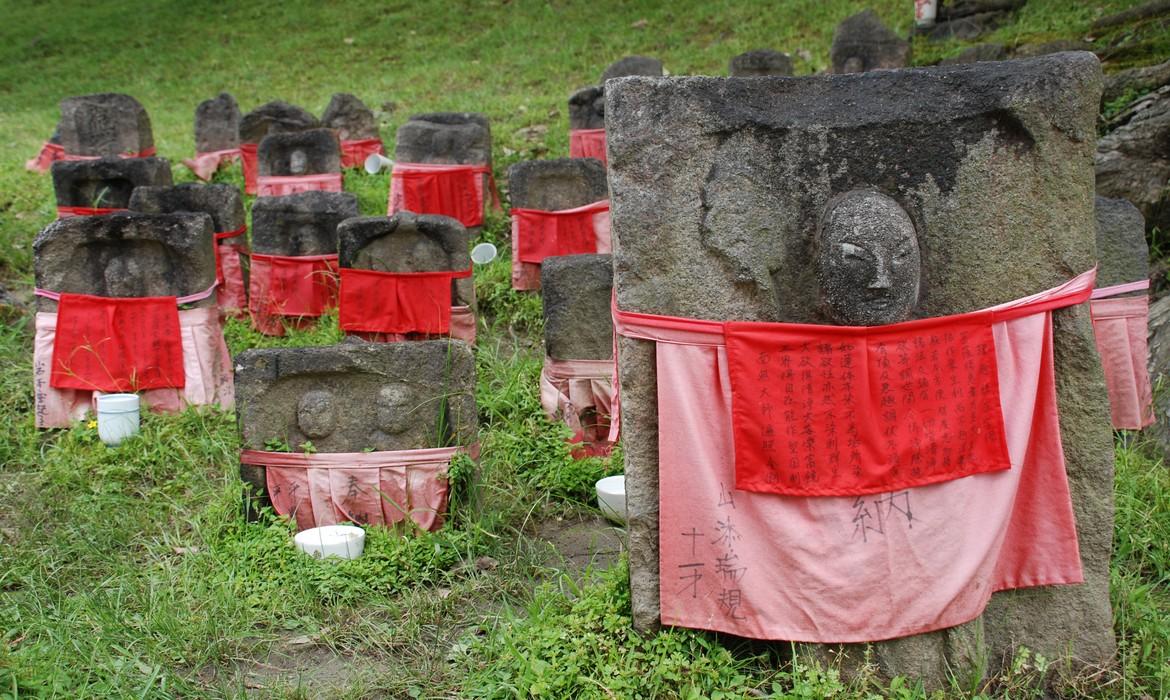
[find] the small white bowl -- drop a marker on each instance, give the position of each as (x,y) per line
(345,541)
(611,498)
(117,417)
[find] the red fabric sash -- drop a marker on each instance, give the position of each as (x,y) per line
(43,161)
(67,212)
(251,160)
(448,190)
(204,165)
(303,286)
(355,152)
(281,185)
(113,344)
(1120,328)
(145,153)
(543,234)
(397,302)
(229,270)
(587,143)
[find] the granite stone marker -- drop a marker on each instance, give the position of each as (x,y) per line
(217,124)
(350,118)
(863,43)
(308,152)
(406,242)
(760,62)
(724,191)
(562,183)
(354,397)
(105,124)
(275,118)
(126,255)
(632,65)
(300,224)
(576,295)
(587,108)
(1122,253)
(222,202)
(106,183)
(445,137)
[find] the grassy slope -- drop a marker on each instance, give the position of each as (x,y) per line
(126,572)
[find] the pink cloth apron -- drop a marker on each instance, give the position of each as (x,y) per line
(231,254)
(526,274)
(204,165)
(861,567)
(290,289)
(280,185)
(250,160)
(354,152)
(368,488)
(587,143)
(446,189)
(206,362)
(43,161)
(580,393)
(1120,326)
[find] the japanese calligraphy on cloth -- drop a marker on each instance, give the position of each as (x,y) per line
(538,234)
(456,191)
(860,567)
(397,302)
(1120,327)
(371,488)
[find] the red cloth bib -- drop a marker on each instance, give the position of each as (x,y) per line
(249,156)
(229,269)
(448,190)
(397,302)
(281,185)
(355,152)
(67,212)
(145,153)
(112,344)
(587,143)
(296,286)
(543,234)
(44,159)
(836,410)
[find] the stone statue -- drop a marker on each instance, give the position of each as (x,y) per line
(868,263)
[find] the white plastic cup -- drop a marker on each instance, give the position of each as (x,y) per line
(376,163)
(611,498)
(117,416)
(343,541)
(483,253)
(925,12)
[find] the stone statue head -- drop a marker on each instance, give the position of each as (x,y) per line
(396,404)
(868,263)
(315,414)
(298,162)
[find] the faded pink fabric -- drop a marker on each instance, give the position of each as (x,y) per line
(204,165)
(581,394)
(149,152)
(207,365)
(462,326)
(854,568)
(526,276)
(368,488)
(280,185)
(587,143)
(43,161)
(1120,326)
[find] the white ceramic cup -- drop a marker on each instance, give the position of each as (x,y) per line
(376,163)
(117,416)
(483,253)
(611,498)
(344,541)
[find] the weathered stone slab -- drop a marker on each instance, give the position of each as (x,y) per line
(300,224)
(104,124)
(308,152)
(406,242)
(632,65)
(969,19)
(223,203)
(355,396)
(576,291)
(125,255)
(217,124)
(1133,160)
(587,108)
(718,187)
(445,137)
(1159,344)
(106,182)
(350,118)
(562,183)
(760,62)
(1134,80)
(862,43)
(975,54)
(1122,253)
(275,117)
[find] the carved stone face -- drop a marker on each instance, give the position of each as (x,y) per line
(868,263)
(315,414)
(298,162)
(396,405)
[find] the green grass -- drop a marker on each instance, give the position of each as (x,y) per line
(129,572)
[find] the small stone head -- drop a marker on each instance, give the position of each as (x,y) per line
(868,262)
(298,162)
(316,415)
(396,405)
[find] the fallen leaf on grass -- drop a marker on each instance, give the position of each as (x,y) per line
(640,24)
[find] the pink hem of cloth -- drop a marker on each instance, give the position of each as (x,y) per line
(207,365)
(369,488)
(571,388)
(1121,329)
(205,164)
(281,185)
